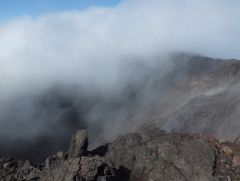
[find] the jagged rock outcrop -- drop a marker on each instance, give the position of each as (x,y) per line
(161,156)
(79,144)
(150,154)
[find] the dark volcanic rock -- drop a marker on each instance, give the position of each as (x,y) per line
(161,156)
(151,154)
(79,144)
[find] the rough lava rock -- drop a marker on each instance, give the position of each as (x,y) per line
(79,144)
(148,155)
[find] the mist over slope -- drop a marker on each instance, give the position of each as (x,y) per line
(196,94)
(113,70)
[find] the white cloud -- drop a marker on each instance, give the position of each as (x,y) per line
(90,44)
(90,48)
(94,49)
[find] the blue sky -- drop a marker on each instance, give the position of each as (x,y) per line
(14,8)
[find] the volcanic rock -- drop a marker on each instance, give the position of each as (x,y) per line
(79,144)
(147,155)
(237,140)
(236,160)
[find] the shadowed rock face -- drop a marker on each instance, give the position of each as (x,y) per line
(150,154)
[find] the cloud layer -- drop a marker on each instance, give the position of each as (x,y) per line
(92,44)
(93,49)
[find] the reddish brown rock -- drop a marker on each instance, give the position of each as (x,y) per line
(226,149)
(236,160)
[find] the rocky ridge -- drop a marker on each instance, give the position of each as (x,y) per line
(149,154)
(190,94)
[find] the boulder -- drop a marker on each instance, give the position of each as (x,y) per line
(91,167)
(79,144)
(236,160)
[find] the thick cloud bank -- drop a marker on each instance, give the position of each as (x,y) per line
(93,50)
(91,44)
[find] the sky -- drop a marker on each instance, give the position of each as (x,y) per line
(11,9)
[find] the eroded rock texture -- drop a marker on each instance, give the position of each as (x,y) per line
(150,154)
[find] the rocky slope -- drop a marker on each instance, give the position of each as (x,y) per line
(150,154)
(184,93)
